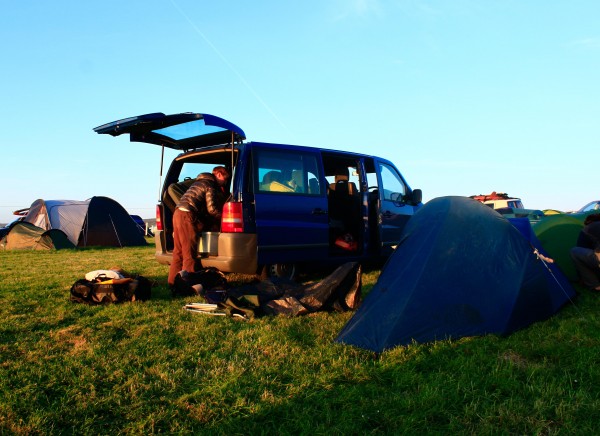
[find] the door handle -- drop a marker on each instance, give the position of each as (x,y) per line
(319,211)
(387,214)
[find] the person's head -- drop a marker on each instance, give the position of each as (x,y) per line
(222,175)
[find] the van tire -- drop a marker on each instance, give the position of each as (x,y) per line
(278,270)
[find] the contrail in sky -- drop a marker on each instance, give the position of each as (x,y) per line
(231,67)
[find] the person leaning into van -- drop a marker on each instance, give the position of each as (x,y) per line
(199,209)
(586,255)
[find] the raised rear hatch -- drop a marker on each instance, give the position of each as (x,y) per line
(185,131)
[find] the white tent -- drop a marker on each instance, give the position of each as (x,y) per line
(66,215)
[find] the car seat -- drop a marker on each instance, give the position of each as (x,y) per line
(297,181)
(344,205)
(313,186)
(273,181)
(175,191)
(342,184)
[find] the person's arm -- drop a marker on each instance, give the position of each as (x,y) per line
(213,204)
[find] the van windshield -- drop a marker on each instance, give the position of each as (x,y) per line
(515,204)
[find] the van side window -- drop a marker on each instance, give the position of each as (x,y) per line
(285,172)
(393,187)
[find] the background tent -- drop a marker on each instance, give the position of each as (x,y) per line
(461,269)
(26,236)
(524,226)
(558,234)
(98,221)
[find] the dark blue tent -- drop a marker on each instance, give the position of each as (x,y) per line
(460,269)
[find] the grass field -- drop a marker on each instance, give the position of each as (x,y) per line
(143,368)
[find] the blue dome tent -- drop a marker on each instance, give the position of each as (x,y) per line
(460,269)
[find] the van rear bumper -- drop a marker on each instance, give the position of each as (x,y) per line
(237,253)
(162,255)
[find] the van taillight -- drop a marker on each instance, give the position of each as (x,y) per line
(232,220)
(158,220)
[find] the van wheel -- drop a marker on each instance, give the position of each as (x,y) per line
(279,270)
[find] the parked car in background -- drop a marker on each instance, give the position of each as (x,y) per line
(289,204)
(4,230)
(499,200)
(592,205)
(509,207)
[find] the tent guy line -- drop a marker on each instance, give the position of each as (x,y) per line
(543,258)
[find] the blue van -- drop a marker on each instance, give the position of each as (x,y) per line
(289,205)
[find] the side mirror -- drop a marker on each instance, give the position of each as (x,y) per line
(417,196)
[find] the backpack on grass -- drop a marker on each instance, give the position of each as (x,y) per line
(111,290)
(207,281)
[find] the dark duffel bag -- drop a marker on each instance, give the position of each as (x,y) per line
(111,291)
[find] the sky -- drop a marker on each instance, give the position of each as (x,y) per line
(465,96)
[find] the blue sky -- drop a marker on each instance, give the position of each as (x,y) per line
(464,96)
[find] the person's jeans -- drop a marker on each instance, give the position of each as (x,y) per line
(186,233)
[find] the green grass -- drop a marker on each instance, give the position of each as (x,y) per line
(142,368)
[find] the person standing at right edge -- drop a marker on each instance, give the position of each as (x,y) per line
(586,255)
(198,210)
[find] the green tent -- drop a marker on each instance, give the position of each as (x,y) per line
(558,234)
(26,236)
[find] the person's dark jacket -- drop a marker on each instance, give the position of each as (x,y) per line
(589,237)
(204,199)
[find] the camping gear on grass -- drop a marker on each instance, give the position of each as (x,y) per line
(206,308)
(110,286)
(460,269)
(340,291)
(208,282)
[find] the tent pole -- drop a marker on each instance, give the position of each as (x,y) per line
(162,158)
(85,227)
(232,139)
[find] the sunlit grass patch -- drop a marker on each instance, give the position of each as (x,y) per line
(152,367)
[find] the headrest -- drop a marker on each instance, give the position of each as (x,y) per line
(342,174)
(298,179)
(272,176)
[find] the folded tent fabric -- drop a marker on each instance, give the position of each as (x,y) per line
(340,291)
